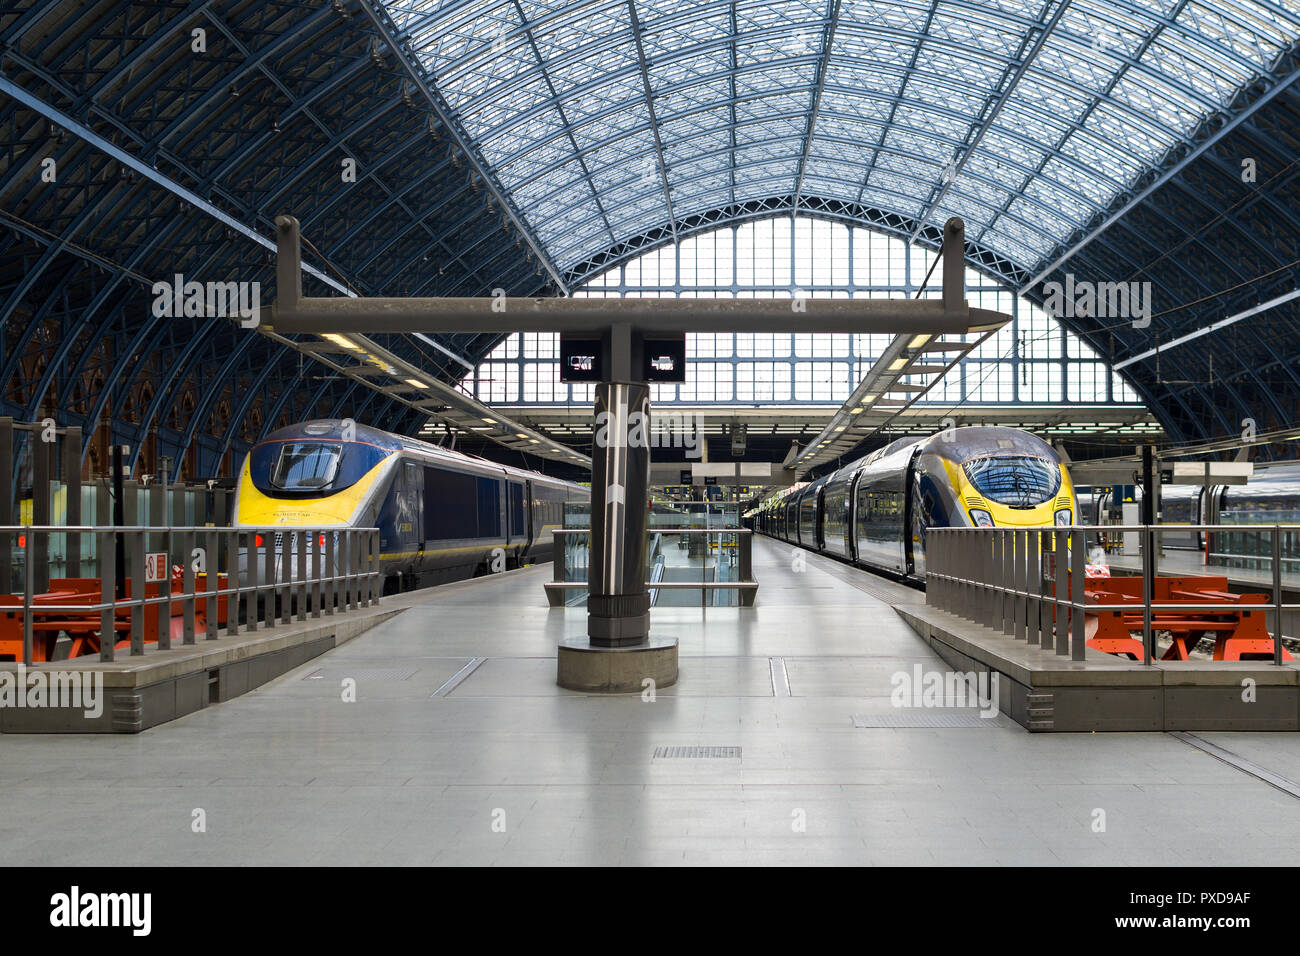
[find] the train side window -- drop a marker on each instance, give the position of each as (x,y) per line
(489,508)
(452,510)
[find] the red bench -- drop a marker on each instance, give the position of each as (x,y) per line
(1240,630)
(11,624)
(84,628)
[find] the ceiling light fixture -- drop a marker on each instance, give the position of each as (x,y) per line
(341,340)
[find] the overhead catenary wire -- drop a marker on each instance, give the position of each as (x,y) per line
(330,265)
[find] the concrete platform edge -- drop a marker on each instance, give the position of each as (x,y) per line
(143,692)
(1044,693)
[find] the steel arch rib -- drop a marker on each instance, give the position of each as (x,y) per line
(101,297)
(240,414)
(53,248)
(203,409)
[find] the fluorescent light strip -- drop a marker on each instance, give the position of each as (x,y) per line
(342,340)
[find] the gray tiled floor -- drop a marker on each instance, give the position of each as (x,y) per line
(292,774)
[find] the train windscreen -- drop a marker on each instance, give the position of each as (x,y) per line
(1019,481)
(304,466)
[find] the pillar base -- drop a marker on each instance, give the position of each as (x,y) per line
(627,631)
(616,670)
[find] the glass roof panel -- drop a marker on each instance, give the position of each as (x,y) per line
(1025,123)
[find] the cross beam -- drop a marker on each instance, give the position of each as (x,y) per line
(292,312)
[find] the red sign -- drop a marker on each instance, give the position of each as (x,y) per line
(155,567)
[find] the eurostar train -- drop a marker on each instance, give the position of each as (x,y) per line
(875,511)
(1270,496)
(441,514)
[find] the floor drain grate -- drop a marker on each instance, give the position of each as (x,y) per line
(662,753)
(361,673)
(926,720)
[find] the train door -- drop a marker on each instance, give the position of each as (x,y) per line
(1198,515)
(529,520)
(414,490)
(819,523)
(1211,512)
(914,511)
(517,530)
(918,513)
(407,512)
(851,519)
(400,518)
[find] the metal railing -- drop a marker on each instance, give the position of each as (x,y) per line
(571,552)
(270,574)
(1007,579)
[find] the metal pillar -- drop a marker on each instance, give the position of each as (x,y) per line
(43,465)
(1150,481)
(118,459)
(161,541)
(618,604)
(72,488)
(6,503)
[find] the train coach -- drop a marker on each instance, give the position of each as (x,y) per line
(1270,496)
(442,515)
(875,511)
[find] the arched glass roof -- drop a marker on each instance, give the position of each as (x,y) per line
(497,144)
(1032,360)
(602,120)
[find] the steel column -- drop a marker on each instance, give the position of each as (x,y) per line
(71,474)
(618,605)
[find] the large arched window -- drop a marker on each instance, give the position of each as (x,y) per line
(1033,360)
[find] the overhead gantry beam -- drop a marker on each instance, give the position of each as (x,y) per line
(919,325)
(950,315)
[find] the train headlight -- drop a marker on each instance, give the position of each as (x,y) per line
(981,518)
(1063,518)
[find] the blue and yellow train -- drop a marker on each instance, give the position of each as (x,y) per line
(442,515)
(874,512)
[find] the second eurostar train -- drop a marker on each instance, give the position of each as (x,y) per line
(875,511)
(442,515)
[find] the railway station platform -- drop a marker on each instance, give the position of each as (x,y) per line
(779,744)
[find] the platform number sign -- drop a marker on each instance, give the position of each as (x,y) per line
(155,567)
